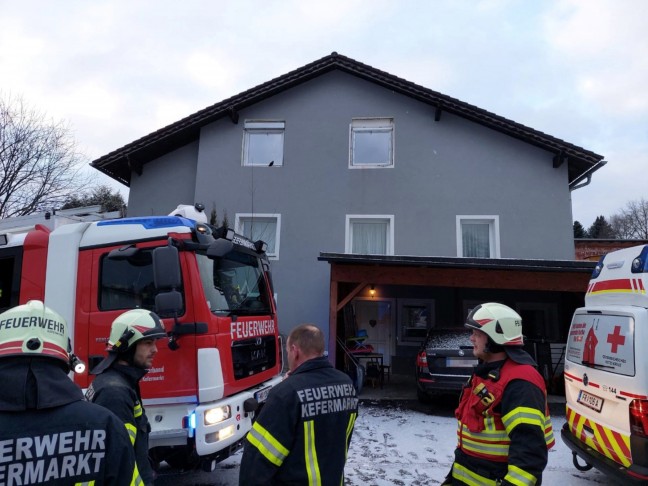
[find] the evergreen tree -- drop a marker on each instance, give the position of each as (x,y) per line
(601,230)
(100,195)
(579,231)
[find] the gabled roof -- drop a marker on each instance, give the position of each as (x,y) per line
(119,163)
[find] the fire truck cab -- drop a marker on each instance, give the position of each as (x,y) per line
(211,287)
(606,370)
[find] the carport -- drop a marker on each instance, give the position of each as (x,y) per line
(544,292)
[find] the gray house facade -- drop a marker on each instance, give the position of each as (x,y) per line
(340,158)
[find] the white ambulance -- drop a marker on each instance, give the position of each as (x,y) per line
(606,370)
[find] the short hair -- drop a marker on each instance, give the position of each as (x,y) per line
(308,338)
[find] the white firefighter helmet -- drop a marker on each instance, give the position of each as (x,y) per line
(126,330)
(501,323)
(32,329)
(133,326)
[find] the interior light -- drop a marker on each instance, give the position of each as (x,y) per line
(372,291)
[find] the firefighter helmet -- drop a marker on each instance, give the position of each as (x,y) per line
(126,330)
(500,323)
(32,329)
(133,326)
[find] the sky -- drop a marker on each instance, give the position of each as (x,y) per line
(397,446)
(116,70)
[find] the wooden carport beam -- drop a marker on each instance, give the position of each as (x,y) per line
(351,295)
(461,277)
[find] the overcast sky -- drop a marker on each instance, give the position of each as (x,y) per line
(116,70)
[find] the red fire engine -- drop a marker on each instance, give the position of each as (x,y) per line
(213,289)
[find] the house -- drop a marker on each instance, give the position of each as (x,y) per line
(387,206)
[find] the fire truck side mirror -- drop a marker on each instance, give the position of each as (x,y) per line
(166,268)
(219,248)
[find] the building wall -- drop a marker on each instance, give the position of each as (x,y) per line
(593,250)
(442,169)
(164,183)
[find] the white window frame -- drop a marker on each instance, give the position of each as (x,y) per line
(493,231)
(241,218)
(353,218)
(370,125)
(262,127)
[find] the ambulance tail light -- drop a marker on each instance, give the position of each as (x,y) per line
(421,359)
(640,264)
(639,418)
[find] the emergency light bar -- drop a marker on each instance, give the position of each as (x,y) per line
(640,264)
(151,223)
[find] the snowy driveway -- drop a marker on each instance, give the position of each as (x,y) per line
(401,444)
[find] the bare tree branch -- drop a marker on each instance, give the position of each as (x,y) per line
(39,161)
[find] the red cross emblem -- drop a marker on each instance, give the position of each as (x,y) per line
(616,339)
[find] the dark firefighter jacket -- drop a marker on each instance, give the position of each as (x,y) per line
(50,435)
(504,427)
(302,433)
(117,389)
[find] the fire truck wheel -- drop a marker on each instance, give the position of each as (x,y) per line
(182,459)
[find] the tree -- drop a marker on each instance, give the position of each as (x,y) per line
(632,221)
(100,195)
(601,229)
(579,231)
(39,161)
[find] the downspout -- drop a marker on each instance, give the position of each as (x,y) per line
(588,176)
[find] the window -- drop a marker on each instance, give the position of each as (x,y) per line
(369,235)
(415,317)
(372,143)
(478,236)
(128,283)
(263,143)
(264,227)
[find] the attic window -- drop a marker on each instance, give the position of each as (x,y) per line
(371,143)
(263,143)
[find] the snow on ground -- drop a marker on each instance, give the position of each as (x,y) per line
(398,446)
(394,444)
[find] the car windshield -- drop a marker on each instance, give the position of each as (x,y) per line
(234,284)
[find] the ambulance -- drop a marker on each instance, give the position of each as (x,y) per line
(606,370)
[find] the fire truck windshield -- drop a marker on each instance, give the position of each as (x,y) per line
(234,284)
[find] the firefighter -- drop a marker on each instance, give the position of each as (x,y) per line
(504,431)
(131,349)
(303,431)
(48,433)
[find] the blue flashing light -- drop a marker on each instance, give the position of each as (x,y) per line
(192,422)
(598,268)
(152,222)
(640,264)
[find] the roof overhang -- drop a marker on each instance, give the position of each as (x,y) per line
(121,163)
(502,273)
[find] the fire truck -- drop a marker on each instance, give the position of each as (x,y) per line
(213,290)
(606,370)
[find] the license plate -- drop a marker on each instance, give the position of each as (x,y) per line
(262,395)
(460,362)
(590,401)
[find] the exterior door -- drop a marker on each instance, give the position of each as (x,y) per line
(375,316)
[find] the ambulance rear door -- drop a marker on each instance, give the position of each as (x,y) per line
(602,377)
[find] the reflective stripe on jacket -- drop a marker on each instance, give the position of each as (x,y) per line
(117,389)
(502,417)
(302,433)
